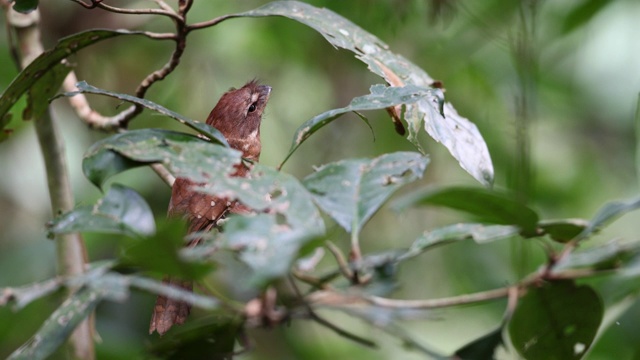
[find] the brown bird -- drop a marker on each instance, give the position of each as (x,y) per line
(237,115)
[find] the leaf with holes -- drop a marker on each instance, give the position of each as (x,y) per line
(266,189)
(183,154)
(266,245)
(59,325)
(460,136)
(558,320)
(351,191)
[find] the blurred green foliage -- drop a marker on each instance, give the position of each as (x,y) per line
(581,97)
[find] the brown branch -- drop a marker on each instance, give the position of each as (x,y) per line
(209,23)
(340,259)
(83,110)
(315,317)
(163,5)
(332,298)
(164,10)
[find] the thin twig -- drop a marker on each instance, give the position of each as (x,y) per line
(83,110)
(164,174)
(209,23)
(184,6)
(342,332)
(340,259)
(439,303)
(315,317)
(162,12)
(332,298)
(92,5)
(163,5)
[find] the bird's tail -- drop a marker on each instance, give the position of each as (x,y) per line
(167,311)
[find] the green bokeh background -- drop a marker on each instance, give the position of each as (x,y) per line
(583,77)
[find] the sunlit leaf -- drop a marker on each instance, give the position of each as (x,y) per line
(558,320)
(381,97)
(120,211)
(50,58)
(203,128)
(351,191)
(184,155)
(456,133)
(488,205)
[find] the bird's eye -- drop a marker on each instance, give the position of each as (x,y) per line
(252,108)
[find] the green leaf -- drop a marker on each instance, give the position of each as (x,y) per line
(480,233)
(482,348)
(582,14)
(121,211)
(611,255)
(213,336)
(203,128)
(268,189)
(183,154)
(381,97)
(94,286)
(25,6)
(488,205)
(608,213)
(456,133)
(162,253)
(351,191)
(51,58)
(563,230)
(45,88)
(266,246)
(558,320)
(24,295)
(59,325)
